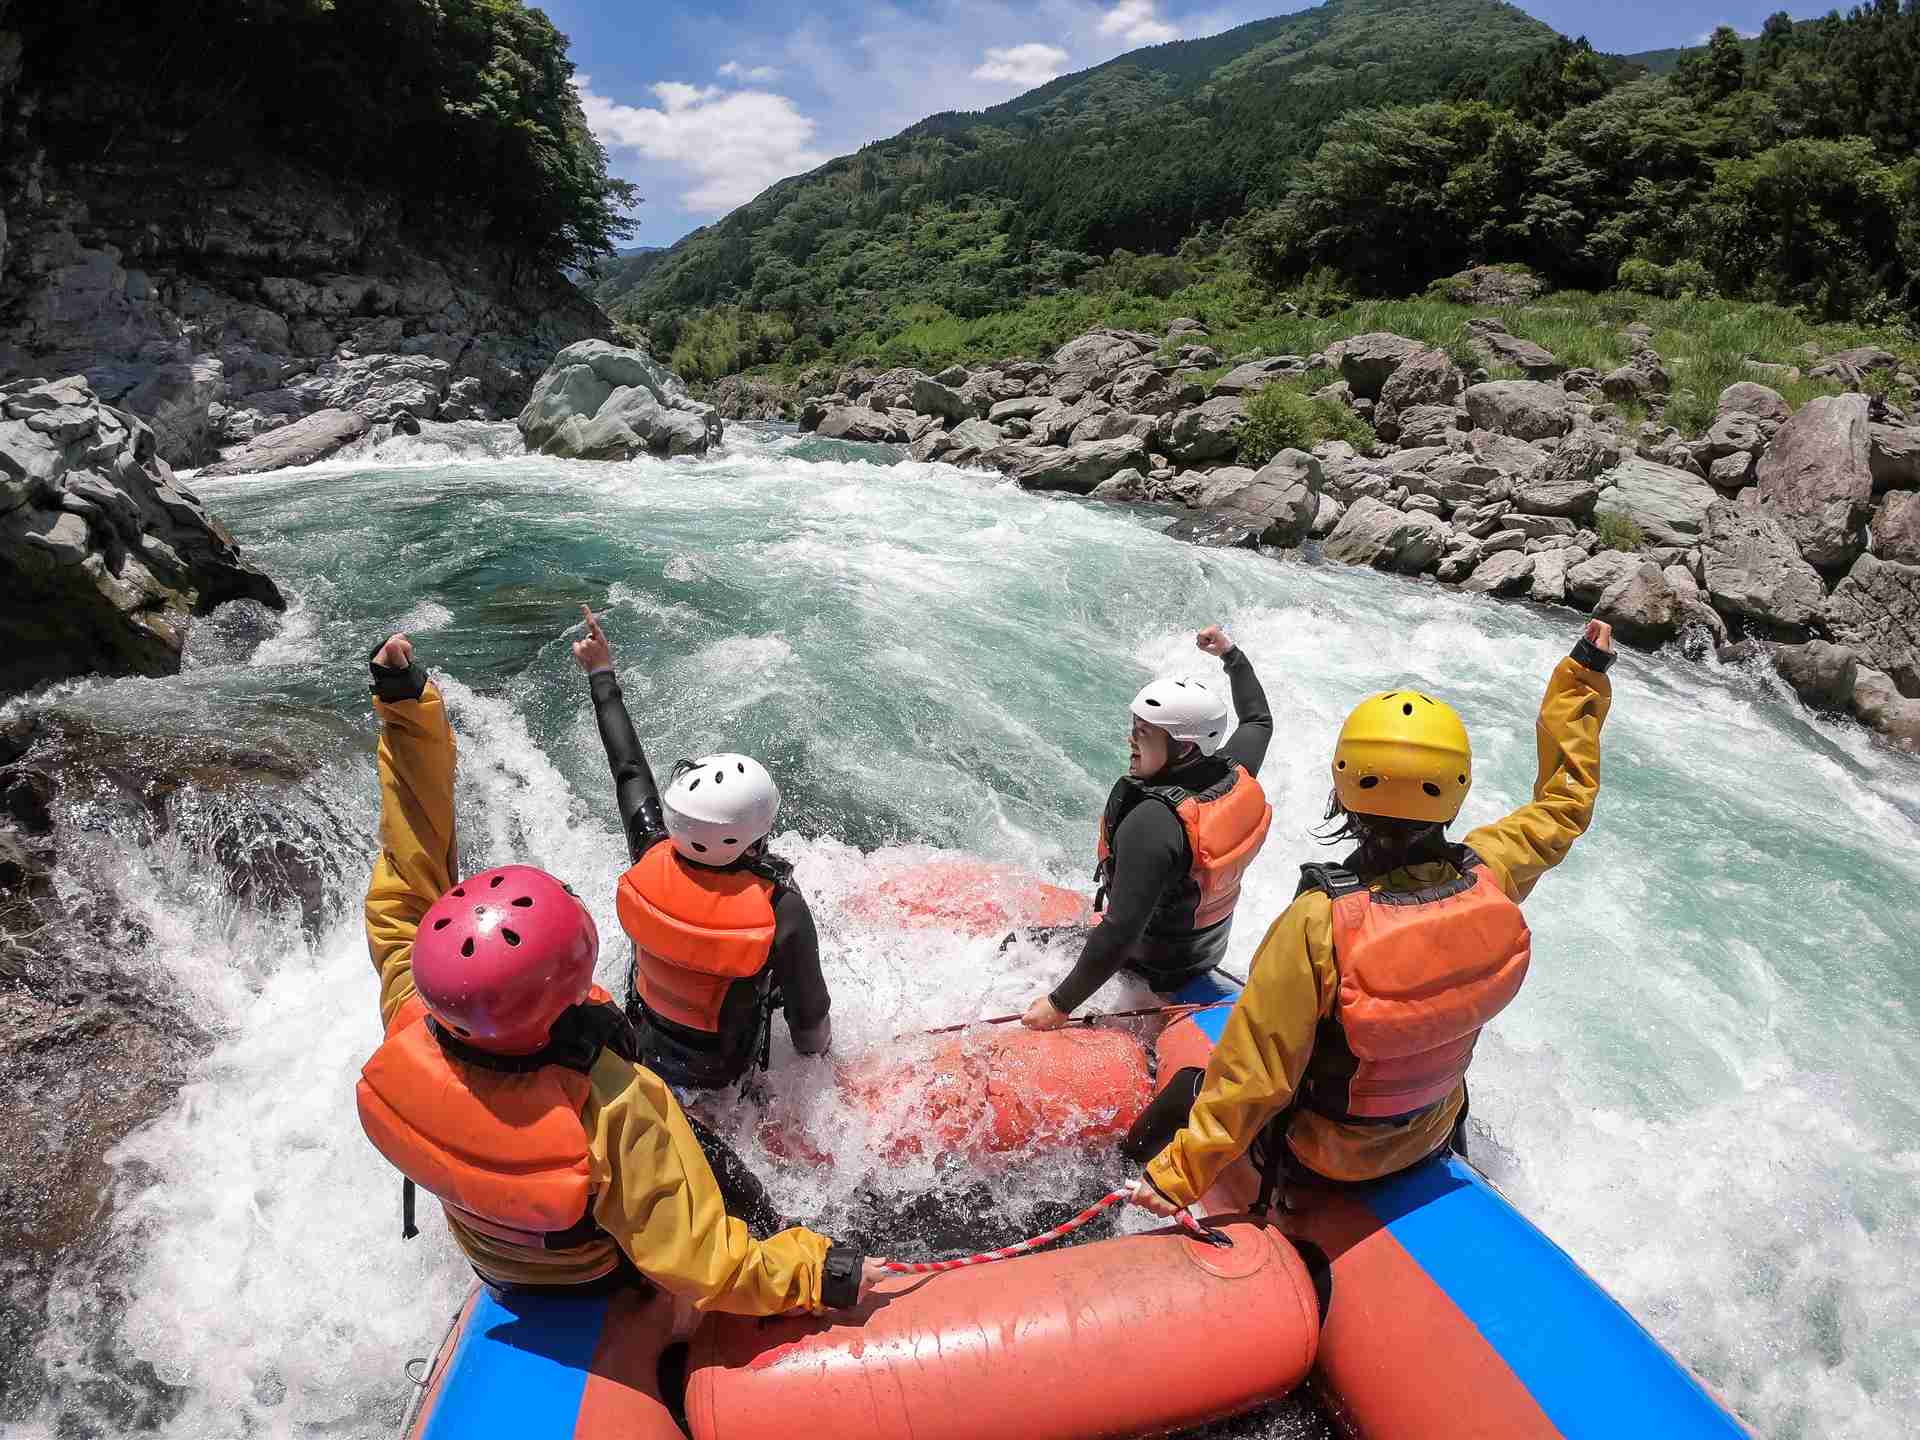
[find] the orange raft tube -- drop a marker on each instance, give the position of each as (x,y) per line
(972,897)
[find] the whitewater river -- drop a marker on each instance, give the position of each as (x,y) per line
(1706,1092)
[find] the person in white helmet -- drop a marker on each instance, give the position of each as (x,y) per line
(1178,833)
(721,935)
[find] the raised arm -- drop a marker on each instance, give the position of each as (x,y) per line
(634,788)
(415,866)
(1537,836)
(1253,731)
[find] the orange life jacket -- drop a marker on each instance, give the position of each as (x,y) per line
(1421,973)
(1225,824)
(696,933)
(499,1140)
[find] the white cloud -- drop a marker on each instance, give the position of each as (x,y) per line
(728,144)
(1137,22)
(1023,65)
(759,74)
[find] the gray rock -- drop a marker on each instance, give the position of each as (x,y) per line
(857,422)
(1077,469)
(1878,704)
(1730,435)
(1513,457)
(1542,527)
(1503,573)
(1327,515)
(1144,390)
(1641,607)
(1852,366)
(605,402)
(1367,362)
(1816,481)
(1896,528)
(1099,351)
(1491,339)
(1185,325)
(930,397)
(1024,408)
(106,559)
(1256,375)
(1523,409)
(379,386)
(1462,555)
(1426,377)
(1731,472)
(1376,534)
(300,443)
(1588,580)
(1551,494)
(1893,456)
(1425,425)
(1754,569)
(953,376)
(1668,504)
(1822,675)
(1207,432)
(1492,285)
(1123,487)
(1875,611)
(1748,397)
(1056,424)
(1283,497)
(1549,584)
(1504,541)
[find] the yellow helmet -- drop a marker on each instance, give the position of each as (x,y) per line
(1405,755)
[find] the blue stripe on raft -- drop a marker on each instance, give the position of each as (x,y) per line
(519,1370)
(1204,991)
(1591,1367)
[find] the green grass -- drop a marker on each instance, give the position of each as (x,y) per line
(1618,532)
(1286,415)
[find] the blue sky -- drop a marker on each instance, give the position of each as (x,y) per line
(705,106)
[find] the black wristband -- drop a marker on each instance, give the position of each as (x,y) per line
(396,682)
(1592,656)
(840,1277)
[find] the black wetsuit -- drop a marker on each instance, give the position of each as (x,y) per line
(796,944)
(1149,847)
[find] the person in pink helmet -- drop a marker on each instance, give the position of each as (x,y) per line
(507,1083)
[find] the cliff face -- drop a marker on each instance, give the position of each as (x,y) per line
(221,299)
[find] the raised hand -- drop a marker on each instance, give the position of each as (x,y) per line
(1213,640)
(1600,636)
(396,654)
(592,651)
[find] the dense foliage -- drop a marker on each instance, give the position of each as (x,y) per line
(463,109)
(1288,416)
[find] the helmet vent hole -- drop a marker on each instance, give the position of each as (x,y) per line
(461,1031)
(1431,788)
(1153,702)
(1213,734)
(729,841)
(466,949)
(461,891)
(1340,765)
(495,883)
(1367,782)
(694,785)
(698,846)
(718,776)
(1462,779)
(741,767)
(525,902)
(443,922)
(1407,709)
(512,937)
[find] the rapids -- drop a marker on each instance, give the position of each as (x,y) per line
(1706,1092)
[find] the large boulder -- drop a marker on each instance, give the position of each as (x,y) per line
(1893,456)
(1896,527)
(1100,351)
(1505,572)
(857,422)
(1822,675)
(1641,606)
(1589,579)
(1878,703)
(1754,569)
(1206,432)
(598,401)
(1282,497)
(1020,408)
(1498,347)
(1367,362)
(1549,582)
(1875,611)
(1524,409)
(1424,425)
(1257,374)
(1145,390)
(929,397)
(301,443)
(1426,377)
(107,560)
(1374,533)
(1491,285)
(379,386)
(1816,481)
(1668,504)
(1077,469)
(1748,397)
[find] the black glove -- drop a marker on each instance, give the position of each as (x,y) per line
(840,1281)
(1592,656)
(393,682)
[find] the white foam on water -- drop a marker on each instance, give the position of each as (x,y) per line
(1705,1091)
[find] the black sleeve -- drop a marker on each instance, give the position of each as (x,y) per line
(1248,744)
(633,784)
(1149,852)
(796,962)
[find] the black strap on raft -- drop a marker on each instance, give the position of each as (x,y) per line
(408,1194)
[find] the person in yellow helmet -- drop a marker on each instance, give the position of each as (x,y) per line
(509,1086)
(1347,1053)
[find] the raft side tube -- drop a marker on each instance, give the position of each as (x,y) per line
(972,897)
(1130,1336)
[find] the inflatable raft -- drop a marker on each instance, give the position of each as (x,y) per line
(1447,1314)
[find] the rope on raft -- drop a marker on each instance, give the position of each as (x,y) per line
(1008,1252)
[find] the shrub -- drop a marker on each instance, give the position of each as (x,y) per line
(1618,532)
(1286,417)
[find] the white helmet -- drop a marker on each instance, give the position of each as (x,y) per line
(719,806)
(1186,709)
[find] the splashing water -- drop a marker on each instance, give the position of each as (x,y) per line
(1706,1092)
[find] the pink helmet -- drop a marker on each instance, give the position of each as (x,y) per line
(502,954)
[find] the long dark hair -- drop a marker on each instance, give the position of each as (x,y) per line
(1382,843)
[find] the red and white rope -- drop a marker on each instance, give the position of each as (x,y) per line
(1058,1232)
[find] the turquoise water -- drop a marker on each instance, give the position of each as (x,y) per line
(1705,1093)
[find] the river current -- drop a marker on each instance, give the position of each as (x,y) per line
(1706,1092)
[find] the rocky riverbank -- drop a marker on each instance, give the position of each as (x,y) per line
(1797,531)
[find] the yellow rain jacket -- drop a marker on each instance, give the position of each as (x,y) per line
(1269,1037)
(654,1194)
